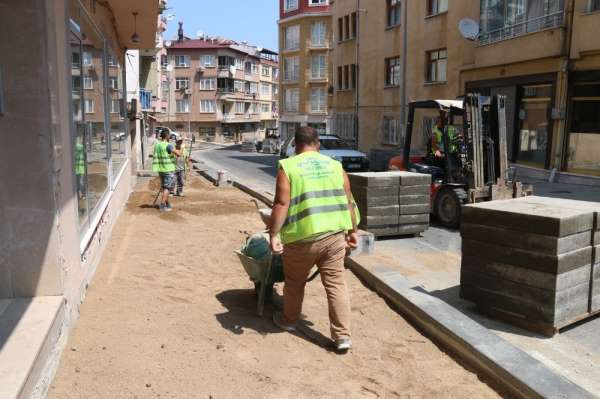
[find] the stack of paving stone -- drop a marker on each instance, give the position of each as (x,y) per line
(392,203)
(533,261)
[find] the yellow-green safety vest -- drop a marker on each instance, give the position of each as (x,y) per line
(162,162)
(439,138)
(79,159)
(318,200)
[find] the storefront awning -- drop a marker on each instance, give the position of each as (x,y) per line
(145,26)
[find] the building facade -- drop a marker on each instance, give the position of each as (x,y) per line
(69,163)
(305,38)
(220,89)
(539,53)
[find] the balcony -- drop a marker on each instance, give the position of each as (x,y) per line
(145,100)
(545,22)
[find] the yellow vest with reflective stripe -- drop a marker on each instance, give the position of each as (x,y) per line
(318,200)
(162,161)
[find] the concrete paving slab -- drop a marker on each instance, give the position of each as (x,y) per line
(370,201)
(528,241)
(414,209)
(412,228)
(415,190)
(422,218)
(529,217)
(569,203)
(390,210)
(526,277)
(374,179)
(554,264)
(414,179)
(380,220)
(518,372)
(367,192)
(414,199)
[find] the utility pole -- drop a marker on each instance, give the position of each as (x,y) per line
(357,74)
(404,68)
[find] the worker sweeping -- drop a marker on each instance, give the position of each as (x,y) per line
(180,167)
(164,163)
(313,222)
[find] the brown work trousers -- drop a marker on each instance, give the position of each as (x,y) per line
(328,255)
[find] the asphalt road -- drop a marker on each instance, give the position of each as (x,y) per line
(253,169)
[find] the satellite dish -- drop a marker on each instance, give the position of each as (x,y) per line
(259,49)
(168,43)
(468,28)
(169,68)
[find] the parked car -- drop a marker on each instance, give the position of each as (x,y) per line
(172,136)
(336,148)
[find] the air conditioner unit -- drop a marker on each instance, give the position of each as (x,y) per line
(200,69)
(187,91)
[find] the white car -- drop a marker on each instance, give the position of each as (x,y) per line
(172,134)
(336,148)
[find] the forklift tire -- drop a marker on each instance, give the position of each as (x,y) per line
(268,293)
(448,205)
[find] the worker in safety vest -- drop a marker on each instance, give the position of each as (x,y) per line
(313,221)
(180,166)
(164,163)
(437,142)
(80,169)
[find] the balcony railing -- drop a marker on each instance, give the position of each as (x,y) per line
(145,100)
(545,22)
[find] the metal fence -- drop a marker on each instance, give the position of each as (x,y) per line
(545,22)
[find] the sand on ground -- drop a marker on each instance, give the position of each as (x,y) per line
(171,314)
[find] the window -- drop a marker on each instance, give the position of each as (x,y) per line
(89,106)
(437,6)
(289,5)
(346,27)
(248,68)
(208,84)
(239,64)
(182,83)
(113,83)
(87,58)
(182,106)
(318,2)
(291,37)
(164,61)
(251,87)
(225,61)
(266,71)
(110,60)
(436,65)
(340,78)
(254,69)
(225,85)
(207,60)
(88,83)
(292,100)
(275,90)
(182,61)
(390,130)
(291,68)
(346,77)
(354,26)
(354,80)
(75,60)
(340,29)
(238,86)
(394,9)
(318,100)
(318,67)
(265,89)
(344,125)
(240,107)
(275,73)
(207,106)
(318,34)
(594,5)
(392,71)
(265,108)
(115,106)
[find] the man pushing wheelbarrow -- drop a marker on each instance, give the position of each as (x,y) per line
(313,222)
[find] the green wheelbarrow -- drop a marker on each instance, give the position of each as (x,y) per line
(263,274)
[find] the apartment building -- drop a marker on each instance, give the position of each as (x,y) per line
(220,89)
(541,54)
(304,44)
(69,163)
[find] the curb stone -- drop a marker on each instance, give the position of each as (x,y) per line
(511,368)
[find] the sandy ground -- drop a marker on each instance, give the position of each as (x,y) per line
(171,314)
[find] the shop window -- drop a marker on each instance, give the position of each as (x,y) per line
(583,155)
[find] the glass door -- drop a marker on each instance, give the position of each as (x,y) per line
(535,125)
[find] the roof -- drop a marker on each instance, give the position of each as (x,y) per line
(443,105)
(201,44)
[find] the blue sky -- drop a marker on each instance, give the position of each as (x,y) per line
(251,20)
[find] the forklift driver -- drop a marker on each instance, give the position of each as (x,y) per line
(437,139)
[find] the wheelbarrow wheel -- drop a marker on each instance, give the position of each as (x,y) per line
(268,292)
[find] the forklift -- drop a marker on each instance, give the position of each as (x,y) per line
(473,166)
